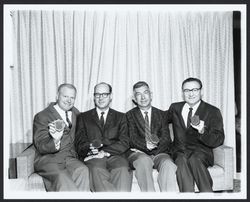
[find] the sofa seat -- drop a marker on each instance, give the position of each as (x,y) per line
(221,172)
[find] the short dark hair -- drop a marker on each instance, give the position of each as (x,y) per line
(68,85)
(140,84)
(192,79)
(110,87)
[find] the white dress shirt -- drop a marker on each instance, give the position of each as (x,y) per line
(185,111)
(104,115)
(63,116)
(149,114)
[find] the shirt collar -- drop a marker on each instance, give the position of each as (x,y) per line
(56,106)
(100,111)
(195,106)
(149,111)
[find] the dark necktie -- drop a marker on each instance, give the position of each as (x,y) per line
(67,119)
(102,119)
(189,117)
(147,128)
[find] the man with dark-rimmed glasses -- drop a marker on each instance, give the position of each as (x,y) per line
(198,128)
(101,142)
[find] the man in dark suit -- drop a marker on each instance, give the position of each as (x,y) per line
(198,128)
(53,137)
(101,141)
(150,142)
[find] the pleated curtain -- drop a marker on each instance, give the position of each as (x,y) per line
(84,47)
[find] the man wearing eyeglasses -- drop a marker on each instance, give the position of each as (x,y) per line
(150,143)
(101,142)
(198,128)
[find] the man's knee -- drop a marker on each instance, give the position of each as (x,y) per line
(181,160)
(62,176)
(122,163)
(195,160)
(168,165)
(82,171)
(143,162)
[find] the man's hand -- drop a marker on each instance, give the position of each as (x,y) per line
(151,146)
(200,127)
(57,135)
(136,150)
(94,150)
(99,155)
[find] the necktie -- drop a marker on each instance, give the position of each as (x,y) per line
(189,117)
(102,119)
(147,128)
(67,119)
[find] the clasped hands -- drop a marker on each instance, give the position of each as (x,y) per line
(96,153)
(150,145)
(200,127)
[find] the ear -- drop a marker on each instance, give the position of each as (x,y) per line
(182,95)
(111,97)
(202,92)
(133,99)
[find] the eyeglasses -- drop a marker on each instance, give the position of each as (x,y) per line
(104,95)
(194,90)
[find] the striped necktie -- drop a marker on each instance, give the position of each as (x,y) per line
(67,119)
(147,128)
(189,117)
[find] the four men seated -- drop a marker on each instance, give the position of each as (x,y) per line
(97,150)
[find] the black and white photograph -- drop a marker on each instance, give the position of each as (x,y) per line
(124,101)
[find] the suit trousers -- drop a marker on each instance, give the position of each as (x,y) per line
(110,174)
(144,165)
(72,175)
(192,167)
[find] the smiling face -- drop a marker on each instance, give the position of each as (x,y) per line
(66,98)
(102,96)
(143,97)
(192,92)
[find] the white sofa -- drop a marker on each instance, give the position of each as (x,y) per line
(221,172)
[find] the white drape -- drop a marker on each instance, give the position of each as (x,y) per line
(85,47)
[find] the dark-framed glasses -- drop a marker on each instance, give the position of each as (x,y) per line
(194,90)
(104,95)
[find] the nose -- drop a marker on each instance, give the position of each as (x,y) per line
(191,93)
(68,100)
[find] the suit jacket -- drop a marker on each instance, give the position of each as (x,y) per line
(43,141)
(188,139)
(114,135)
(159,127)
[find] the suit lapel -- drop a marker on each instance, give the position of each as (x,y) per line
(95,117)
(109,119)
(57,116)
(200,110)
(180,113)
(54,112)
(139,117)
(154,119)
(73,117)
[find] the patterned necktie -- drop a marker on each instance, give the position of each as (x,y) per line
(67,119)
(147,128)
(102,119)
(189,117)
